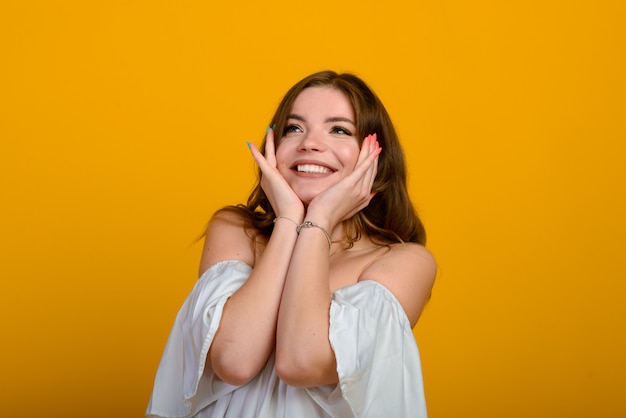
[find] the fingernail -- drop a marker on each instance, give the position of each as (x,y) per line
(274,127)
(267,131)
(248,144)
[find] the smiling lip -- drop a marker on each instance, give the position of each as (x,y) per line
(312,168)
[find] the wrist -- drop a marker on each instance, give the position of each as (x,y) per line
(288,219)
(310,224)
(319,216)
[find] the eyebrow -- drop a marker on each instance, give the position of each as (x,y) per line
(331,119)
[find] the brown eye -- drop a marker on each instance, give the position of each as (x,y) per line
(292,128)
(341,131)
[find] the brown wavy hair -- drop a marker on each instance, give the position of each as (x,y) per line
(390,216)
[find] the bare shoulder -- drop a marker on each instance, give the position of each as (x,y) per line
(227,238)
(408,270)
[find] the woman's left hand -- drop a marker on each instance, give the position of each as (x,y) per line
(352,193)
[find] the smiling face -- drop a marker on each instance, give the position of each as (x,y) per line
(319,147)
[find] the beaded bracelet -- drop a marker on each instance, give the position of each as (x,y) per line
(309,224)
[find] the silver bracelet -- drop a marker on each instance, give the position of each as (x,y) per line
(309,224)
(289,219)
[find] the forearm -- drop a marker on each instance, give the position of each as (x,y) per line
(303,351)
(246,335)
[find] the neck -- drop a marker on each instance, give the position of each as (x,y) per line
(341,243)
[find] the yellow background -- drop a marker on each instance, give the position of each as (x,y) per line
(123,127)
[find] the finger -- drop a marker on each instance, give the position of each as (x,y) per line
(258,157)
(366,182)
(370,174)
(365,149)
(369,169)
(373,150)
(270,149)
(370,166)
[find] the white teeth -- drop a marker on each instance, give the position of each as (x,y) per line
(310,168)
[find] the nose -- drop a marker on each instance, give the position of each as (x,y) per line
(312,141)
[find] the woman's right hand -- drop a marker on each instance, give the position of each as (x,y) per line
(281,196)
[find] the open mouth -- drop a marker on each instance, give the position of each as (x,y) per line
(312,168)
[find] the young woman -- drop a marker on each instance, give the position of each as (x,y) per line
(309,292)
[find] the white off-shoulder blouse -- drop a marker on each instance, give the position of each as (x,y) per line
(378,361)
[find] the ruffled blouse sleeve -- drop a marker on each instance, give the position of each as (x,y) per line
(377,357)
(182,385)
